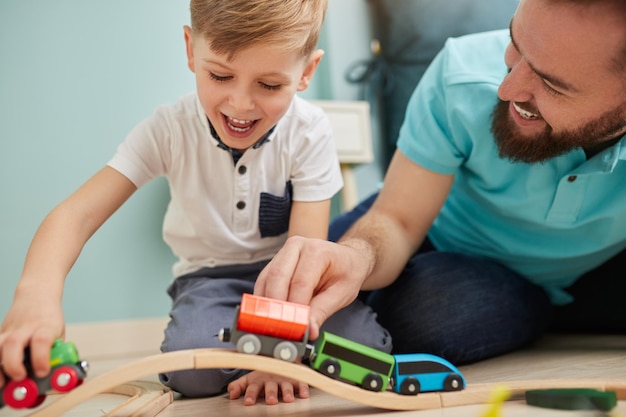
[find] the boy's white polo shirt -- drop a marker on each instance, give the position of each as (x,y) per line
(213,216)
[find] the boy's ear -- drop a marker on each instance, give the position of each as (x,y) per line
(189,47)
(309,70)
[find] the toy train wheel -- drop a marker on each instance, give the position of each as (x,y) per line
(22,394)
(453,382)
(64,379)
(331,368)
(410,386)
(372,382)
(38,401)
(286,351)
(249,343)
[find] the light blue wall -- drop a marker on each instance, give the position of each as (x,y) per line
(76,76)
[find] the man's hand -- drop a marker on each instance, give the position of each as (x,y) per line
(325,275)
(258,384)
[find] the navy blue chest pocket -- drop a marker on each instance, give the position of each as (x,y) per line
(274,213)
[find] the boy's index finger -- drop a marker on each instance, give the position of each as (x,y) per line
(12,360)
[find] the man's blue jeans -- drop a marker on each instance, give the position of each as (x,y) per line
(455,306)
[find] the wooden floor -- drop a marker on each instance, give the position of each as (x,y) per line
(555,357)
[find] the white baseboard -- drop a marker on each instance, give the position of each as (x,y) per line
(114,339)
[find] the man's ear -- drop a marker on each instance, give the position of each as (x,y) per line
(189,47)
(309,70)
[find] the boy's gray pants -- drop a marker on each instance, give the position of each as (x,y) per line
(205,301)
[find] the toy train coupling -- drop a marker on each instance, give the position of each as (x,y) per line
(224,335)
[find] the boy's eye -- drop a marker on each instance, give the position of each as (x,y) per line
(219,78)
(271,87)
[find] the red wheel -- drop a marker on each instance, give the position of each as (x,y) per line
(64,379)
(41,398)
(22,394)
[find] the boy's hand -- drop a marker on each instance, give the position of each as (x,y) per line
(260,384)
(29,323)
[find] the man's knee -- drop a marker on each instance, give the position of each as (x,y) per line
(461,308)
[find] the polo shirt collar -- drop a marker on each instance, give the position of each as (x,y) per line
(237,153)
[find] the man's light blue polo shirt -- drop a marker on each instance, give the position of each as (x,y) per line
(550,222)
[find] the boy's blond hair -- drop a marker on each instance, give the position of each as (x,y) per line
(231,26)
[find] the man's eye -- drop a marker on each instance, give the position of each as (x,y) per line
(551,90)
(219,78)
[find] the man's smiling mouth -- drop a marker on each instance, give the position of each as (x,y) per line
(525,113)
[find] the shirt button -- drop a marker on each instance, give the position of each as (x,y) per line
(571,178)
(242,169)
(241,205)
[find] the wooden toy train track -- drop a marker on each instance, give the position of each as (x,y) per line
(226,358)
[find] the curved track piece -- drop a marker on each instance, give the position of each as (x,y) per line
(145,399)
(226,358)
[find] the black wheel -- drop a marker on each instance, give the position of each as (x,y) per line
(453,382)
(410,386)
(331,368)
(373,382)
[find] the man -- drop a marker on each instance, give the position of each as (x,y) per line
(504,207)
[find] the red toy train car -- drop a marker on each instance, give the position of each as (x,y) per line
(270,327)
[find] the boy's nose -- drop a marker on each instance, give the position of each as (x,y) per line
(241,100)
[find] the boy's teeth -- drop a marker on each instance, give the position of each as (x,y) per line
(243,122)
(239,125)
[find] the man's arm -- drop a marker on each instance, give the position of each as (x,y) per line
(399,219)
(328,276)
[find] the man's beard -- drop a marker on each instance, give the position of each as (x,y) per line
(547,145)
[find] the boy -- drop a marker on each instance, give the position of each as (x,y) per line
(248,164)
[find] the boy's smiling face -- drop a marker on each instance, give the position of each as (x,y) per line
(245,96)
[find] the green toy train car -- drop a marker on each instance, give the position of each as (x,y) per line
(66,373)
(352,362)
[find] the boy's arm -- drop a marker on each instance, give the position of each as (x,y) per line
(35,317)
(310,219)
